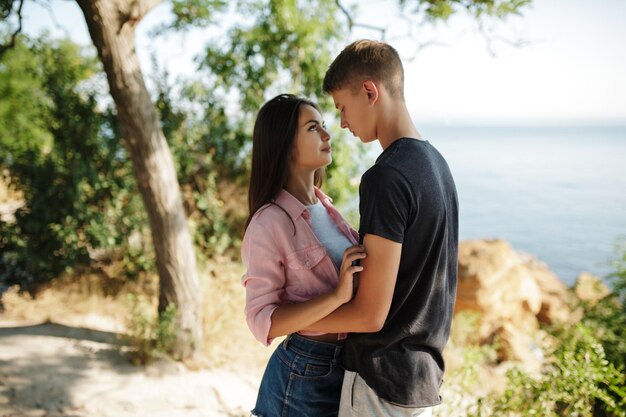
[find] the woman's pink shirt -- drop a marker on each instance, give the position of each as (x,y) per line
(283,266)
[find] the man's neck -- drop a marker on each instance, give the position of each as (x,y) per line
(398,124)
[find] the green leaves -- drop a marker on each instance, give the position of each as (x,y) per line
(578,381)
(65,156)
(196,12)
(442,9)
(278,46)
(24,108)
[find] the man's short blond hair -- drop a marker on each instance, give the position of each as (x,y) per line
(366,60)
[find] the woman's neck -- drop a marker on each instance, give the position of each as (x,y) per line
(301,186)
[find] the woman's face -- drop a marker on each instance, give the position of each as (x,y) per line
(311,149)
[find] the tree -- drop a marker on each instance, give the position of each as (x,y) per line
(287,38)
(112,28)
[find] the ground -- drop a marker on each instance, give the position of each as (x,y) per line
(61,354)
(55,370)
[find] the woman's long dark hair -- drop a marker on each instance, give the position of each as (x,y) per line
(273,137)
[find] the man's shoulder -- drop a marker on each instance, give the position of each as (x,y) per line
(381,173)
(384,170)
(403,151)
(386,182)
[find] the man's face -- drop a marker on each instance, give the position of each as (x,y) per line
(356,113)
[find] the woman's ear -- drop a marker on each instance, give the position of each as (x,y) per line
(371,90)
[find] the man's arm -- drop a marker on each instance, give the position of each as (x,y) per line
(289,318)
(368,310)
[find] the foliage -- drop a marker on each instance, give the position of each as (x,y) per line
(618,278)
(464,338)
(64,154)
(202,147)
(271,46)
(275,47)
(149,337)
(586,374)
(443,9)
(199,12)
(606,319)
(576,383)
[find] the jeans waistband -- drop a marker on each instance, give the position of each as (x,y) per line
(312,348)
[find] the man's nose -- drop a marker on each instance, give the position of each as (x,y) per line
(325,135)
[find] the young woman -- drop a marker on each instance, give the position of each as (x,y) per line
(298,251)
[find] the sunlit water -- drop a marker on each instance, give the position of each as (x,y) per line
(557,193)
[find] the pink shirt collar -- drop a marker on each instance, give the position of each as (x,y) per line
(294,207)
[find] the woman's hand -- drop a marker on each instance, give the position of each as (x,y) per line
(345,286)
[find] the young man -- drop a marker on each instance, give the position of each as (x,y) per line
(400,317)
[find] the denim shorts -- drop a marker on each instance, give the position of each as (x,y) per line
(303,378)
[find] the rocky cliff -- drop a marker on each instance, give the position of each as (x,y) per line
(514,295)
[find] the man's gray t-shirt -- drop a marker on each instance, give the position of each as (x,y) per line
(409,197)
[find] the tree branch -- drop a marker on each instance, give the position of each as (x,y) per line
(346,13)
(11,44)
(419,45)
(139,8)
(490,39)
(132,11)
(46,5)
(419,17)
(352,24)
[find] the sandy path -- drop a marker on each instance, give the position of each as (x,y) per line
(55,370)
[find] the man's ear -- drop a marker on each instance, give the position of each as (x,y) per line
(371,90)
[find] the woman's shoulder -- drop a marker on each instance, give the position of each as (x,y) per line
(270,216)
(268,224)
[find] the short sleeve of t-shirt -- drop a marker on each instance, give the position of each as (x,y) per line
(386,203)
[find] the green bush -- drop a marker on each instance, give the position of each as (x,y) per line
(578,381)
(606,320)
(149,337)
(585,373)
(206,145)
(65,155)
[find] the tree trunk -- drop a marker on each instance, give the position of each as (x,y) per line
(112,26)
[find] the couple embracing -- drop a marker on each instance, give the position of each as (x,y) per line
(366,315)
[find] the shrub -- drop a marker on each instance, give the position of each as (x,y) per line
(66,157)
(149,336)
(577,382)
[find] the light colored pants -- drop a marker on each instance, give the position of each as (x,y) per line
(359,400)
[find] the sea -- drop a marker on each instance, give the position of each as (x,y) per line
(558,193)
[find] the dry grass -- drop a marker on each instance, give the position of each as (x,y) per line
(227,338)
(74,301)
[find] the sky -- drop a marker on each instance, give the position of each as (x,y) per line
(571,70)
